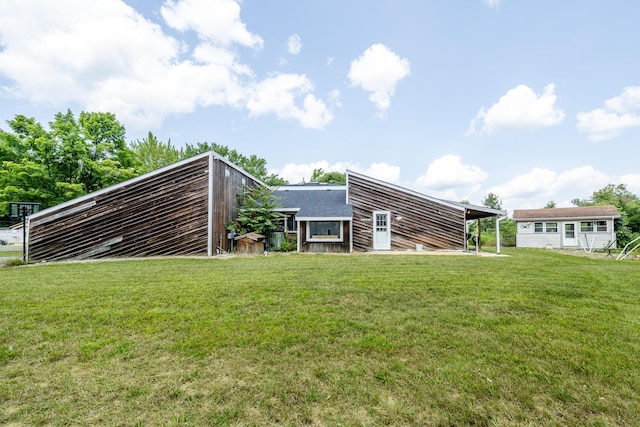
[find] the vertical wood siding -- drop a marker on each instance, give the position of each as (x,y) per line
(414,220)
(161,214)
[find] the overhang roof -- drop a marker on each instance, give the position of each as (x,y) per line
(315,201)
(603,211)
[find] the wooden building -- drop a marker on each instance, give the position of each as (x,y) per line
(369,214)
(390,217)
(585,227)
(177,210)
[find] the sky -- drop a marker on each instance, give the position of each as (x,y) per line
(534,101)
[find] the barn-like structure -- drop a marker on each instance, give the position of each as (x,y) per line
(177,210)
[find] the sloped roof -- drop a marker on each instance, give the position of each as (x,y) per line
(315,201)
(471,211)
(604,211)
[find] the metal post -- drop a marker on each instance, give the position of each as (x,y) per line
(24,233)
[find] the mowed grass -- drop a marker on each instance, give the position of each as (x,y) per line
(535,338)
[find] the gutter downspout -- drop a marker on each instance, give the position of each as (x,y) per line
(498,233)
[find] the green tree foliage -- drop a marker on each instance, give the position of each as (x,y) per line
(627,203)
(550,205)
(490,201)
(257,212)
(70,159)
(319,175)
(252,164)
(151,154)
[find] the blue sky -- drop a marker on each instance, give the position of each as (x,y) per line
(534,101)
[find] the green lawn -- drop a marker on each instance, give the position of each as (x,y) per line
(535,338)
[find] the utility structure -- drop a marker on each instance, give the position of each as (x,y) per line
(21,210)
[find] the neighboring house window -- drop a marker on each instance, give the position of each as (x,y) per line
(586,226)
(292,224)
(551,227)
(537,227)
(324,231)
(601,225)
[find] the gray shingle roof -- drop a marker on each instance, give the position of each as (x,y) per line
(315,203)
(605,211)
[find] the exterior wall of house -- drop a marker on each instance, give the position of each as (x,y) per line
(527,237)
(165,212)
(325,247)
(415,220)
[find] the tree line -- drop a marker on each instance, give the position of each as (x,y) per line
(78,155)
(74,156)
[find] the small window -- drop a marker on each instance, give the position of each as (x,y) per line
(324,230)
(586,226)
(551,227)
(537,227)
(292,224)
(601,225)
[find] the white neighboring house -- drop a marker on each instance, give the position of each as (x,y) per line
(586,227)
(11,235)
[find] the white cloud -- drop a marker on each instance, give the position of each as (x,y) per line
(105,56)
(632,181)
(619,113)
(297,173)
(521,109)
(294,44)
(378,70)
(278,95)
(212,20)
(494,4)
(539,186)
(448,172)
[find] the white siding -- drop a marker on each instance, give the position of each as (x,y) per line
(526,236)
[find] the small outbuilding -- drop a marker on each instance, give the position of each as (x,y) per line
(250,243)
(585,227)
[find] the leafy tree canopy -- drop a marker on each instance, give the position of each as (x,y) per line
(319,175)
(70,158)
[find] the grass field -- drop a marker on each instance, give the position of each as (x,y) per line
(534,338)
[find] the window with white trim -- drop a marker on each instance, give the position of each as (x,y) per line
(601,226)
(537,227)
(551,227)
(291,223)
(586,226)
(324,231)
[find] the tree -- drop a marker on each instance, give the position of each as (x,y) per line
(151,154)
(550,205)
(253,164)
(490,201)
(70,159)
(257,212)
(320,175)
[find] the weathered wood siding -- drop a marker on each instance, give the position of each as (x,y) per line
(414,219)
(325,247)
(161,213)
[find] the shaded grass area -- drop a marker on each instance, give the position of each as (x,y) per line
(537,338)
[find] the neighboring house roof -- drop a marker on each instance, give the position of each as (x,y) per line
(314,201)
(604,211)
(471,211)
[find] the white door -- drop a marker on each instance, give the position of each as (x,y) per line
(381,230)
(569,235)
